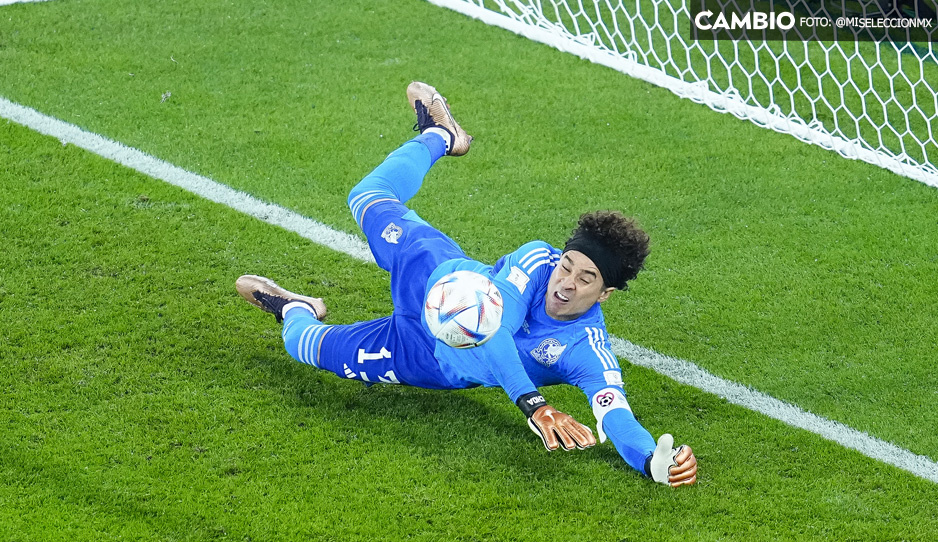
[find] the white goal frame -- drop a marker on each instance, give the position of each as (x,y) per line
(562,26)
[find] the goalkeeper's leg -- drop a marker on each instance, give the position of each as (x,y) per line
(398,177)
(390,350)
(403,243)
(402,173)
(393,350)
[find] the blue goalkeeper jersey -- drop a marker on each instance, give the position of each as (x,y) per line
(531,347)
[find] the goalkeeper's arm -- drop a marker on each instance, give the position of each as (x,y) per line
(662,463)
(555,428)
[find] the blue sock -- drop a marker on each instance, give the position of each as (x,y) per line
(302,334)
(435,143)
(400,175)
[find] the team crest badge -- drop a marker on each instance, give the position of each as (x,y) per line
(548,352)
(392,233)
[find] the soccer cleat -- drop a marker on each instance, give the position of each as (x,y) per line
(433,113)
(269,297)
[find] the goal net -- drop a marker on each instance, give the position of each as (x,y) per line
(860,95)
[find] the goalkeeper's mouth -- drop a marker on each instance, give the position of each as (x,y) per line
(557,304)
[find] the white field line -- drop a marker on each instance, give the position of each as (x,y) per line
(8,2)
(682,371)
(202,186)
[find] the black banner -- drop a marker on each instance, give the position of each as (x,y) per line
(804,20)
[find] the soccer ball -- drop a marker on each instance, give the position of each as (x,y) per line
(463,309)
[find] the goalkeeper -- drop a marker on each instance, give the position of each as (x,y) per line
(552,329)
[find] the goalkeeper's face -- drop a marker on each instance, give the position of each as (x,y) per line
(574,287)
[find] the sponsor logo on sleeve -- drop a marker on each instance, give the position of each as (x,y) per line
(519,279)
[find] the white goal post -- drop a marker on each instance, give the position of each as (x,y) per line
(875,101)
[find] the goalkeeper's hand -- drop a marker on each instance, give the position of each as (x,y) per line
(673,466)
(557,429)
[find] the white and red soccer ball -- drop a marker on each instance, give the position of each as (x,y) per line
(463,309)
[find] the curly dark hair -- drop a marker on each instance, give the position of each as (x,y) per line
(620,236)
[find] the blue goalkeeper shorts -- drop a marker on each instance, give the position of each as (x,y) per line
(395,349)
(410,249)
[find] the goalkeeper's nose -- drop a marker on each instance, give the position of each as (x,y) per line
(567,284)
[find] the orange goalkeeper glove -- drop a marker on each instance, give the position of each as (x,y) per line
(555,428)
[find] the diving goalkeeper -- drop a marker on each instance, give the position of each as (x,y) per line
(552,329)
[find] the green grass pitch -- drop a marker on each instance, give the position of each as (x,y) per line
(141,399)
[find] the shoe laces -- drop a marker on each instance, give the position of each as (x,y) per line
(272,303)
(424,119)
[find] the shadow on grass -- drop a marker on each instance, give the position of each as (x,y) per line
(469,422)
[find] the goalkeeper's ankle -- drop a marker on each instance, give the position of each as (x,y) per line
(443,133)
(298,305)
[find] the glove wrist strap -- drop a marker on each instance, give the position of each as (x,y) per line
(530,402)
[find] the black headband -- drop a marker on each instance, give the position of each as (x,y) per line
(605,260)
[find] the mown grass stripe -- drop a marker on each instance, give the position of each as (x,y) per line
(679,370)
(197,184)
